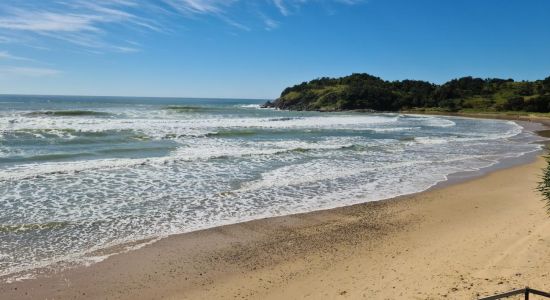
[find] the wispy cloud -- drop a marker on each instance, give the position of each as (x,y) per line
(217,8)
(27,72)
(7,55)
(350,2)
(4,39)
(124,49)
(97,25)
(226,9)
(282,7)
(48,22)
(270,24)
(80,22)
(200,6)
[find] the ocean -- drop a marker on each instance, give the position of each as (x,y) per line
(85,177)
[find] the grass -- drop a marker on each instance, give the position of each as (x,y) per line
(477,111)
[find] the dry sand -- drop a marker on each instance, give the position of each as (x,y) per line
(475,238)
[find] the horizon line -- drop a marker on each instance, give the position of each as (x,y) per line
(126,96)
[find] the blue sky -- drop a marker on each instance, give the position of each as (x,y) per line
(254,49)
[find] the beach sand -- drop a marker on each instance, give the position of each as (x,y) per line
(460,241)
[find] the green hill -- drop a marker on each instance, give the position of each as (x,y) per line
(367,92)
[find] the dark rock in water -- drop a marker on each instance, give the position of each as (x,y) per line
(268,104)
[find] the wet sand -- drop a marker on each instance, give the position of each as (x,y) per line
(460,241)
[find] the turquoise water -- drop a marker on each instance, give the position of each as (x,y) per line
(81,174)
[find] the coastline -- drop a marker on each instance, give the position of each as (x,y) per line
(487,115)
(208,260)
(539,129)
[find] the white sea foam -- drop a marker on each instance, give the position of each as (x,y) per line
(251,106)
(161,128)
(219,169)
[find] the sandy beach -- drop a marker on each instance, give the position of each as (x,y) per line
(475,238)
(274,150)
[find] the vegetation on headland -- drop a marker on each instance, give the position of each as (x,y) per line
(466,94)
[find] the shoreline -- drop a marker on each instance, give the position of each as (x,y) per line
(101,254)
(487,115)
(542,130)
(366,249)
(216,240)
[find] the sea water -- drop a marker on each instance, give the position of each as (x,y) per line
(82,174)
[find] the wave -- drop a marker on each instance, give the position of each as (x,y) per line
(45,157)
(315,171)
(68,113)
(251,106)
(188,108)
(198,152)
(431,121)
(221,169)
(182,107)
(472,137)
(283,119)
(201,149)
(232,133)
(134,150)
(353,147)
(395,129)
(22,228)
(68,136)
(195,126)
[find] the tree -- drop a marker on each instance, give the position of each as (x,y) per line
(364,91)
(514,103)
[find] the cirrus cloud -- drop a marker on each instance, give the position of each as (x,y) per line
(100,26)
(27,72)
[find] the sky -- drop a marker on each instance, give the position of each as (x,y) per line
(254,49)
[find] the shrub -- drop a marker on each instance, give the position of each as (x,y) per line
(544,185)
